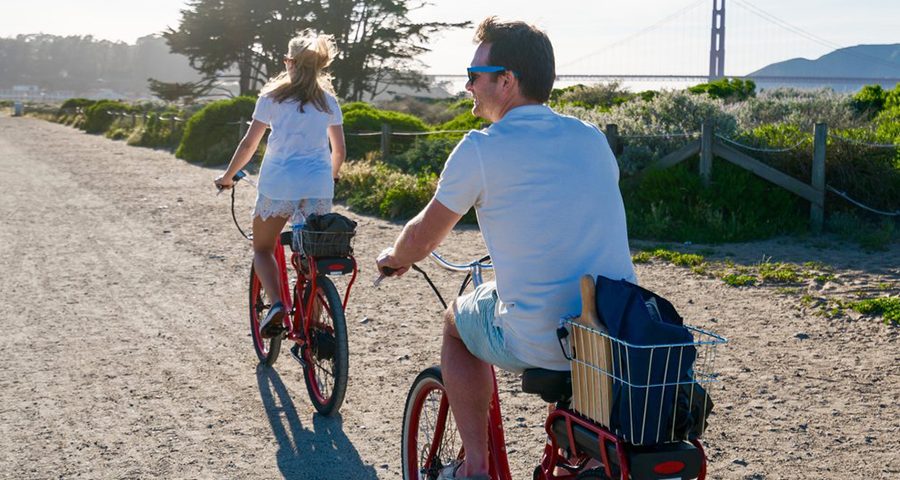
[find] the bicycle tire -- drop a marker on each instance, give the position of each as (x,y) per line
(327,353)
(267,349)
(427,449)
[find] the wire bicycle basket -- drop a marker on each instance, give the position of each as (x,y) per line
(646,394)
(324,244)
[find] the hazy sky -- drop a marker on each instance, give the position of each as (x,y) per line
(589,36)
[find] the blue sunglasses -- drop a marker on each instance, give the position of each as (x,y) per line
(474,71)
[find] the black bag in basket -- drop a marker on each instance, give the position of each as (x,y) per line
(328,235)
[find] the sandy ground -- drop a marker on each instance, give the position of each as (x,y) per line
(127,352)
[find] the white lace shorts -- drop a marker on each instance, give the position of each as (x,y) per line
(296,210)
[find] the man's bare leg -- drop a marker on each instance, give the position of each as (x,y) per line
(469,385)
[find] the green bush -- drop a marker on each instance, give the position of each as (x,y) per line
(463,121)
(211,135)
(602,96)
(869,100)
(71,104)
(641,122)
(673,205)
(156,133)
(892,98)
(97,120)
(887,307)
(426,155)
(376,188)
(728,89)
(887,126)
(362,117)
(802,108)
(430,110)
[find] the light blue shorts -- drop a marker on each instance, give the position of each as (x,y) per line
(475,323)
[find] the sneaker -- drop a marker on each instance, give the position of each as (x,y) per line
(449,473)
(273,324)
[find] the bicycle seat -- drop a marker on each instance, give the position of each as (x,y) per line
(552,385)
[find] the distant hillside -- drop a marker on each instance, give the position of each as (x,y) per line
(870,61)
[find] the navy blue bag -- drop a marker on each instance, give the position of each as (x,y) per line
(645,387)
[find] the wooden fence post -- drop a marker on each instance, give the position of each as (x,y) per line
(385,140)
(612,137)
(706,151)
(817,207)
(133,120)
(172,124)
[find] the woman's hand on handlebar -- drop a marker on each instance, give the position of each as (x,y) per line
(223,182)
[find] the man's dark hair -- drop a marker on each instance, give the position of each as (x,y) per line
(523,49)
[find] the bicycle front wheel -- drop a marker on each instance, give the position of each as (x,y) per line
(326,355)
(431,440)
(267,349)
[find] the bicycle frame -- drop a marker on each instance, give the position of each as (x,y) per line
(498,462)
(298,326)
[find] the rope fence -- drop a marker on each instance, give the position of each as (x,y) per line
(862,143)
(616,140)
(762,150)
(860,205)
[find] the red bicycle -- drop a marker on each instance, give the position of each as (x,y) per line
(314,312)
(577,447)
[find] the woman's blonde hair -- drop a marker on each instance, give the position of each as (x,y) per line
(305,79)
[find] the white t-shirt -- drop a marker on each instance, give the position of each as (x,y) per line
(297,163)
(545,189)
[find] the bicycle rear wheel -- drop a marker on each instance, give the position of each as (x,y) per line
(267,349)
(431,440)
(326,356)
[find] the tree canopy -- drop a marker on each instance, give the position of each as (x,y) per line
(378,42)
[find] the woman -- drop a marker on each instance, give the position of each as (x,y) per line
(298,172)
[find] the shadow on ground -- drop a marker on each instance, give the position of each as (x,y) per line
(323,452)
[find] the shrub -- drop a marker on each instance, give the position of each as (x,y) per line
(892,98)
(673,205)
(463,121)
(728,89)
(430,110)
(97,120)
(802,108)
(71,104)
(376,188)
(888,307)
(869,100)
(156,133)
(362,117)
(641,122)
(210,136)
(601,96)
(426,155)
(887,126)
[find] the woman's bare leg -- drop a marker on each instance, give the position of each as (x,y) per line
(265,233)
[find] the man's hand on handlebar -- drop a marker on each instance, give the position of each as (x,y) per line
(388,266)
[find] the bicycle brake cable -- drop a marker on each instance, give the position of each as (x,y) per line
(234,217)
(436,292)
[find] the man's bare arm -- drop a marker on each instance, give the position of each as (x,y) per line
(420,236)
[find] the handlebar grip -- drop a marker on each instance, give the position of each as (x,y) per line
(388,271)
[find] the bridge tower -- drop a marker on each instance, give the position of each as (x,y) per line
(717,41)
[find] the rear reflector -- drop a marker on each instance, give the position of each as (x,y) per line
(668,468)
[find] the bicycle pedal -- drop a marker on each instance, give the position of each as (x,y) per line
(295,354)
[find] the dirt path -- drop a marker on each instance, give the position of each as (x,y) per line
(127,352)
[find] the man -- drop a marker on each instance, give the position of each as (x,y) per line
(545,189)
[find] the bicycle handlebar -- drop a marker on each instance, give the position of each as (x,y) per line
(470,267)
